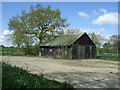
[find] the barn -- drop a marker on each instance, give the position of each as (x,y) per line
(71,46)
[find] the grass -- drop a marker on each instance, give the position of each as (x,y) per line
(108,56)
(11,51)
(15,77)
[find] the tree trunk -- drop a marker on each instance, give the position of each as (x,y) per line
(40,42)
(18,48)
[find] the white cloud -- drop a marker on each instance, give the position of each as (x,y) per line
(7,32)
(103,10)
(83,14)
(107,19)
(2,38)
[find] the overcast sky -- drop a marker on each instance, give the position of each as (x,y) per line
(99,17)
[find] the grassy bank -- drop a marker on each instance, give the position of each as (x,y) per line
(15,77)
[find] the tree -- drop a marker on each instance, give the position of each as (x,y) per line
(19,37)
(96,39)
(115,41)
(43,23)
(107,46)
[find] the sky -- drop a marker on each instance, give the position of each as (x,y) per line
(98,17)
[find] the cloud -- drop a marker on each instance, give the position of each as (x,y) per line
(107,19)
(83,14)
(7,32)
(104,10)
(3,38)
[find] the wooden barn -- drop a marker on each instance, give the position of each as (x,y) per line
(70,46)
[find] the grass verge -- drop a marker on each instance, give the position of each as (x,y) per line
(15,77)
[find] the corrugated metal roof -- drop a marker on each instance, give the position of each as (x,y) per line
(64,40)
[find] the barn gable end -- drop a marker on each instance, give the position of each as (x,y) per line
(85,40)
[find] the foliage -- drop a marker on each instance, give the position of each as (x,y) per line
(108,56)
(41,22)
(35,50)
(14,77)
(38,22)
(115,42)
(96,39)
(18,37)
(107,46)
(111,45)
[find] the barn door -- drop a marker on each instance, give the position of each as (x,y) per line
(87,52)
(81,52)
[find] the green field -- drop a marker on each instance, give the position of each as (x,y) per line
(14,77)
(108,56)
(11,51)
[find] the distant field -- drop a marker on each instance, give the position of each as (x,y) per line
(10,51)
(108,56)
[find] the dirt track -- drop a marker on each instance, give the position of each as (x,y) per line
(80,73)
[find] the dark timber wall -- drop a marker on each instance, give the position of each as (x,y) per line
(84,48)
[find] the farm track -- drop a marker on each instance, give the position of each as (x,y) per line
(80,73)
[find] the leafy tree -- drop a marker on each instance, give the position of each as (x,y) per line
(96,39)
(115,41)
(19,37)
(107,46)
(43,23)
